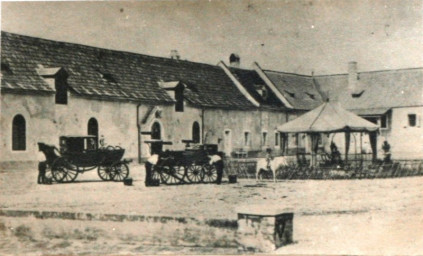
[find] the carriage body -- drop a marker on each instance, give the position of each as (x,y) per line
(81,153)
(192,165)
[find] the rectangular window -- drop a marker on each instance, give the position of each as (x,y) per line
(383,121)
(276,138)
(412,120)
(246,139)
(179,97)
(61,92)
(264,138)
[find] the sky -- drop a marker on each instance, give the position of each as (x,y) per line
(291,36)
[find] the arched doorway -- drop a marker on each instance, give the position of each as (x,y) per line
(19,133)
(156,134)
(196,132)
(93,127)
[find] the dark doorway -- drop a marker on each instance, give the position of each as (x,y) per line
(196,132)
(156,134)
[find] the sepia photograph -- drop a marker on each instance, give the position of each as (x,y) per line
(211,127)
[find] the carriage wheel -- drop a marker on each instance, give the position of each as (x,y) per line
(156,173)
(62,171)
(170,174)
(105,172)
(120,172)
(195,173)
(210,173)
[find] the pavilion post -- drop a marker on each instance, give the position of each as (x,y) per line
(373,144)
(347,145)
(361,149)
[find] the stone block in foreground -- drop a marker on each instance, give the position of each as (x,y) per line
(263,230)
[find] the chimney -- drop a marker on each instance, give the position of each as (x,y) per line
(352,77)
(234,60)
(174,55)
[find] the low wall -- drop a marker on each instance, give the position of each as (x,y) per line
(151,230)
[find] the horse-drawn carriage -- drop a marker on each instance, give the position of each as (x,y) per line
(199,164)
(79,154)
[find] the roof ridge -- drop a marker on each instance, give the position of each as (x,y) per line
(376,71)
(239,68)
(91,47)
(287,73)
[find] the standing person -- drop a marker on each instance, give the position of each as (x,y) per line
(42,163)
(386,151)
(102,141)
(336,155)
(219,168)
(42,167)
(269,157)
(149,165)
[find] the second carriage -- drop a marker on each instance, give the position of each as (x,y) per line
(197,164)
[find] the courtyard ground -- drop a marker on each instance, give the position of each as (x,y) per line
(379,216)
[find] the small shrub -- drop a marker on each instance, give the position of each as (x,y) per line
(23,232)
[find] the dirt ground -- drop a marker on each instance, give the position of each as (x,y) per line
(379,216)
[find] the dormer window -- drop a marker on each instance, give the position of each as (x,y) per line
(262,91)
(291,94)
(357,94)
(311,95)
(56,77)
(176,90)
(61,92)
(109,77)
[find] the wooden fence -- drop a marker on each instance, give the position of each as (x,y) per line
(246,169)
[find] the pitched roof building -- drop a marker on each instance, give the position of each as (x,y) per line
(258,98)
(375,92)
(108,74)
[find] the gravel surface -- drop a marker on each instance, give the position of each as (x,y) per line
(379,216)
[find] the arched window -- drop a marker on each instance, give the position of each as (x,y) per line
(196,132)
(18,133)
(93,127)
(156,132)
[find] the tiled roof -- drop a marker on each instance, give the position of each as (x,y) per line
(382,89)
(96,72)
(299,90)
(251,81)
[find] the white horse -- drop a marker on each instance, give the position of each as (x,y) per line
(274,165)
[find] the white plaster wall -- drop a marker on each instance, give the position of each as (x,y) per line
(175,127)
(46,121)
(39,119)
(406,142)
(216,121)
(117,121)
